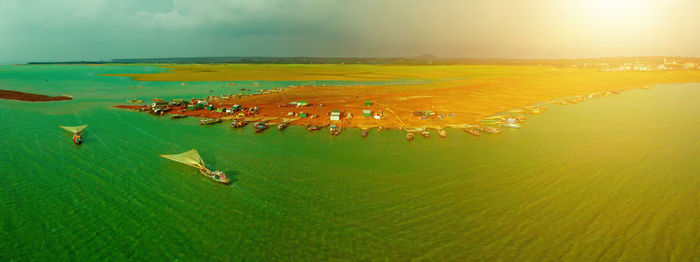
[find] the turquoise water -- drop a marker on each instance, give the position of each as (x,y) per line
(614,178)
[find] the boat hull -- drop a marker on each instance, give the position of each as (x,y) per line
(212,177)
(209,122)
(473,132)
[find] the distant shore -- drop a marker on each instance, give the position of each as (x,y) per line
(29,97)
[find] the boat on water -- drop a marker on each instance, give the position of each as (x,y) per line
(425,134)
(238,123)
(512,123)
(335,130)
(178,116)
(282,126)
(77,138)
(157,99)
(135,101)
(442,133)
(410,136)
(313,127)
(260,126)
(209,121)
(193,159)
(365,132)
(488,129)
(472,131)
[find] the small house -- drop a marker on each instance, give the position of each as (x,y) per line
(335,115)
(302,103)
(368,103)
(236,108)
(302,115)
(366,113)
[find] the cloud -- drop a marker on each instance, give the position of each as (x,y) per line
(103,29)
(239,17)
(51,13)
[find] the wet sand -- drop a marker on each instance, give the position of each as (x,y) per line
(29,97)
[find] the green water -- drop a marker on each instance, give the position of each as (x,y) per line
(614,178)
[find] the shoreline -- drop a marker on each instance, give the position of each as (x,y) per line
(30,97)
(387,121)
(454,96)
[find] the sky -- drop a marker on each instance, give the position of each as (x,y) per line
(62,30)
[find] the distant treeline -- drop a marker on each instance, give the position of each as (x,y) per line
(420,60)
(67,62)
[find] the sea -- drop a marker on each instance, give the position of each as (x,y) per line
(613,178)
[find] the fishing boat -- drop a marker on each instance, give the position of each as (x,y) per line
(178,116)
(442,133)
(488,129)
(77,138)
(519,118)
(409,136)
(313,127)
(282,125)
(365,132)
(238,123)
(260,126)
(335,130)
(512,123)
(425,134)
(135,101)
(209,121)
(193,159)
(472,131)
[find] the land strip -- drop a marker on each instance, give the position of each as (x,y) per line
(29,97)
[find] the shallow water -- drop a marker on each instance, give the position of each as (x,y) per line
(614,178)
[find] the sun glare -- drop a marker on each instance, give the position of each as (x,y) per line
(616,11)
(613,6)
(619,8)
